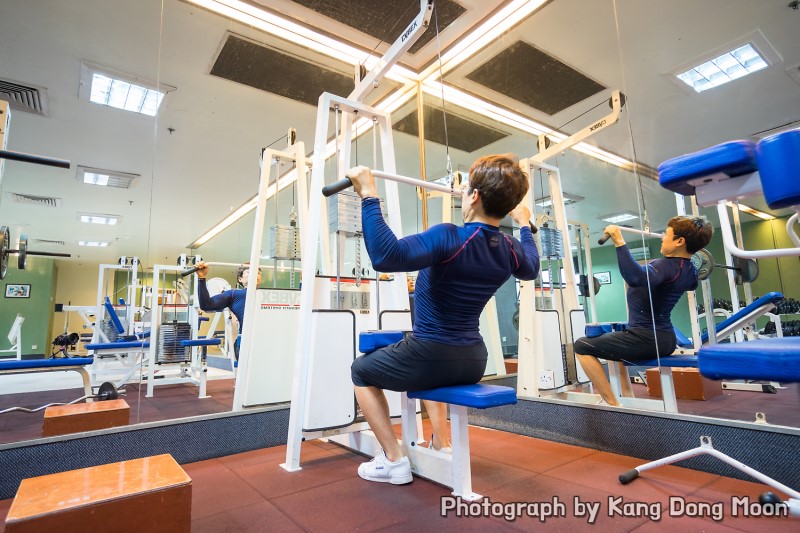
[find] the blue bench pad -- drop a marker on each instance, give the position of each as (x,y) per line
(769,298)
(201,342)
(478,395)
(117,345)
(369,341)
(732,158)
(767,359)
(677,361)
(46,363)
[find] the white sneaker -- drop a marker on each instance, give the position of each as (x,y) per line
(382,470)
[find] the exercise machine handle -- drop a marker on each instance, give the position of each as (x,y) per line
(188,271)
(339,186)
(604,238)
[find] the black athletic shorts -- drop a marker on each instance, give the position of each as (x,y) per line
(414,364)
(631,346)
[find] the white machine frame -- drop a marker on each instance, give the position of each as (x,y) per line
(537,377)
(15,338)
(427,463)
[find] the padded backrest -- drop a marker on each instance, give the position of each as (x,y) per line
(771,298)
(778,159)
(112,315)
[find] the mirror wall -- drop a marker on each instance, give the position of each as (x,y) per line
(235,88)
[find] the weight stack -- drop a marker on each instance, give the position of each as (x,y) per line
(552,242)
(284,242)
(170,336)
(344,213)
(109,330)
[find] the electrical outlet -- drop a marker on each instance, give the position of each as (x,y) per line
(34,346)
(547,379)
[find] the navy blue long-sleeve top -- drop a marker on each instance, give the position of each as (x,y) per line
(669,278)
(461,267)
(232,299)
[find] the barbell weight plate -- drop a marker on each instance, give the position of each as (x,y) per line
(22,252)
(107,392)
(5,236)
(703,261)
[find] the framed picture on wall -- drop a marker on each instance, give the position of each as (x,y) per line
(18,291)
(603,277)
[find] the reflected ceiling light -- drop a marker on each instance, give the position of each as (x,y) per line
(110,87)
(90,218)
(105,178)
(568,199)
(94,244)
(300,35)
(616,218)
(226,222)
(750,211)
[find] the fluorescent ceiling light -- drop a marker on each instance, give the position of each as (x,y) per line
(124,95)
(616,218)
(105,178)
(94,244)
(89,218)
(750,211)
(106,86)
(723,69)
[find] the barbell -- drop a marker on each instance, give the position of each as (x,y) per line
(746,269)
(22,252)
(107,391)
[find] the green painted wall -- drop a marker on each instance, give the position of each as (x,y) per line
(780,275)
(41,275)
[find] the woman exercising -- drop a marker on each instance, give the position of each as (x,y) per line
(666,279)
(460,270)
(232,299)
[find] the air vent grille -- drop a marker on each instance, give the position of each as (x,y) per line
(49,242)
(43,201)
(24,97)
(105,178)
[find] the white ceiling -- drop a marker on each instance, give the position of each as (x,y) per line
(208,165)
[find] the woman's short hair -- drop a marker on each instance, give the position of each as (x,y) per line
(500,181)
(697,231)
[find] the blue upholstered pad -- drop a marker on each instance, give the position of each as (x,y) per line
(478,396)
(677,361)
(112,314)
(770,297)
(779,167)
(369,341)
(46,363)
(201,342)
(732,158)
(767,359)
(117,345)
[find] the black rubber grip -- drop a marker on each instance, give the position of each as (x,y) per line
(604,238)
(36,159)
(188,271)
(339,186)
(534,229)
(628,476)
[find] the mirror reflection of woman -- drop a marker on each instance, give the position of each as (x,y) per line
(233,299)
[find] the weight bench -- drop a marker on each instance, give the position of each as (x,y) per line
(746,315)
(69,364)
(131,344)
(452,470)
